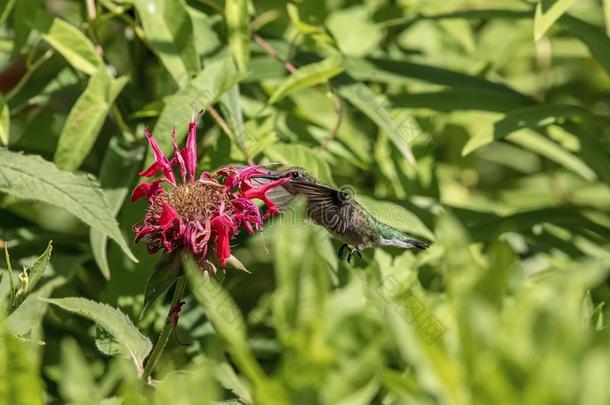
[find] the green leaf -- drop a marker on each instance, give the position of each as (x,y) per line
(39,76)
(164,275)
(460,99)
(33,178)
(354,30)
(529,117)
(402,130)
(26,320)
(40,265)
(70,42)
(169,30)
(5,9)
(545,147)
(118,170)
(78,382)
(402,72)
(86,119)
(547,13)
(594,38)
(5,122)
(133,343)
(238,29)
(20,383)
(234,116)
(303,156)
(396,216)
(226,317)
(607,16)
(200,93)
(308,76)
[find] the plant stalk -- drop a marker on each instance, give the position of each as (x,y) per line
(165,333)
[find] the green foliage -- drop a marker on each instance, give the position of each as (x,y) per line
(482,130)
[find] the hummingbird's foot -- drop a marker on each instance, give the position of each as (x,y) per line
(352,252)
(341,250)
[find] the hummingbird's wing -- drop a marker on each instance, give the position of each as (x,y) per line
(329,207)
(326,206)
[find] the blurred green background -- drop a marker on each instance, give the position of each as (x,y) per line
(480,126)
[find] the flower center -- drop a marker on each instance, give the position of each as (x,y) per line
(193,201)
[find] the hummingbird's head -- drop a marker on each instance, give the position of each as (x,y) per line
(298,175)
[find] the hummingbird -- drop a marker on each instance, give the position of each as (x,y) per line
(338,212)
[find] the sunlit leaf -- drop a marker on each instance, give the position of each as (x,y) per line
(169,30)
(226,317)
(307,76)
(132,342)
(198,94)
(302,156)
(86,118)
(547,13)
(117,172)
(402,129)
(70,42)
(529,117)
(5,122)
(19,380)
(238,27)
(32,178)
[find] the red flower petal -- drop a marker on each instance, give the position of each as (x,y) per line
(178,157)
(142,232)
(168,217)
(161,161)
(147,190)
(150,170)
(260,193)
(191,150)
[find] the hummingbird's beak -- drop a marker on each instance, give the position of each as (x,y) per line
(271,176)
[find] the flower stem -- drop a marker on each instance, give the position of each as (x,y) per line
(167,330)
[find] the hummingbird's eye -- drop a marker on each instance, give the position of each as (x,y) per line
(295,175)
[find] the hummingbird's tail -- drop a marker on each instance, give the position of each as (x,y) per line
(390,236)
(418,243)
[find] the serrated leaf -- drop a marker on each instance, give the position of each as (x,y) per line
(402,130)
(238,28)
(20,383)
(308,76)
(5,122)
(33,178)
(300,155)
(528,117)
(40,265)
(86,119)
(169,30)
(70,42)
(547,13)
(136,345)
(119,167)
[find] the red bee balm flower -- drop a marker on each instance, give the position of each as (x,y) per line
(194,213)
